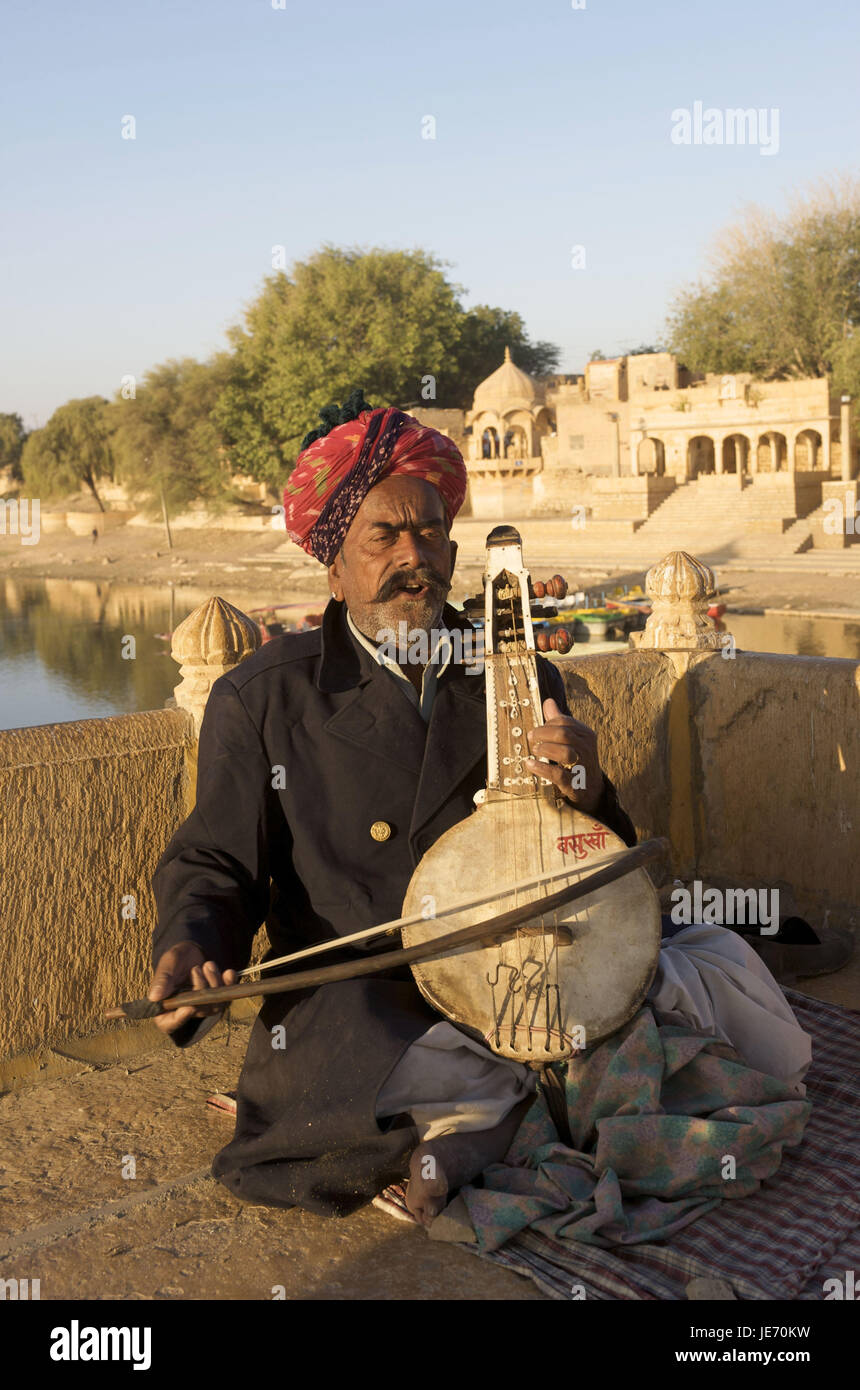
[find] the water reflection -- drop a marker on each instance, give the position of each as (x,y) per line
(61,648)
(61,645)
(792,636)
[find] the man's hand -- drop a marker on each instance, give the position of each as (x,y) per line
(186,965)
(567,741)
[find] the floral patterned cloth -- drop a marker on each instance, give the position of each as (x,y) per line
(334,474)
(665,1123)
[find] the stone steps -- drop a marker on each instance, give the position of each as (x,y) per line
(717,512)
(709,517)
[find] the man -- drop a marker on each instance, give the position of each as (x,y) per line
(331,772)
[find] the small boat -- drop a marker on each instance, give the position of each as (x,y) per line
(601,623)
(631,605)
(643,605)
(270,626)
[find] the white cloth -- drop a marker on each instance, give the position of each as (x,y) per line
(708,979)
(450,1084)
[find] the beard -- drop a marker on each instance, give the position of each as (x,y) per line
(394,603)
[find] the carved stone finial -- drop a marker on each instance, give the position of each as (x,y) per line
(681,590)
(210,641)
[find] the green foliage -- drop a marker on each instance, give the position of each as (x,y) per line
(379,319)
(485,332)
(165,438)
(12,437)
(346,318)
(597,356)
(72,448)
(644,348)
(783,299)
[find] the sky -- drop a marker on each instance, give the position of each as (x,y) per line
(257,127)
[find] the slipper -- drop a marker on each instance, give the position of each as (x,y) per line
(392,1200)
(792,931)
(223,1100)
(799,951)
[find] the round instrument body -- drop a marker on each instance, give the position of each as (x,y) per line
(567,980)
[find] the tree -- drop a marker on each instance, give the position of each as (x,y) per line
(382,320)
(485,333)
(783,298)
(73,448)
(387,321)
(12,438)
(165,438)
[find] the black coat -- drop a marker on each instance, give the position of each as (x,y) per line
(303,747)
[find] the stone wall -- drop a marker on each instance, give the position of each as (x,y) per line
(750,765)
(88,808)
(775,772)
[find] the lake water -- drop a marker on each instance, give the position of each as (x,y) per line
(62,645)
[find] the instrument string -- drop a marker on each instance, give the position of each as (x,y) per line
(545,999)
(551,977)
(520,652)
(520,723)
(498,666)
(515,667)
(516,714)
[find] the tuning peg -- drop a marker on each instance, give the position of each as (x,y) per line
(549,588)
(559,640)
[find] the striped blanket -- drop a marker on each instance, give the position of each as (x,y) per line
(799,1229)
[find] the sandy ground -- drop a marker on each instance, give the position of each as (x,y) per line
(264,565)
(70,1218)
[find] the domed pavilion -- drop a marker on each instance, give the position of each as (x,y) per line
(508,420)
(508,416)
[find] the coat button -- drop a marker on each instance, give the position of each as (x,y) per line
(380,830)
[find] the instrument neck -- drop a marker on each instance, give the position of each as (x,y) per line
(514,705)
(513,710)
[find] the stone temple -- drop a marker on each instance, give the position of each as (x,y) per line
(640,441)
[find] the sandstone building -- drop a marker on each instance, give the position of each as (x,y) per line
(640,433)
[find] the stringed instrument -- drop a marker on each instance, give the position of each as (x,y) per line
(528,924)
(566,978)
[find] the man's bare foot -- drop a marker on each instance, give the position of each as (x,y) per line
(438,1168)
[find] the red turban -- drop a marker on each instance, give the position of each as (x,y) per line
(334,474)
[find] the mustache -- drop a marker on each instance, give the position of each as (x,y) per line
(395,583)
